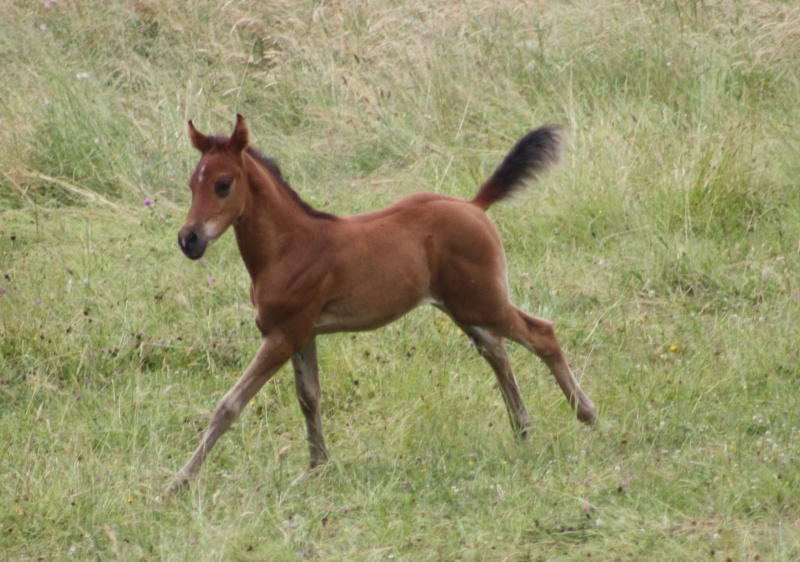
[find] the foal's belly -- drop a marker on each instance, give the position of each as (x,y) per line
(358,315)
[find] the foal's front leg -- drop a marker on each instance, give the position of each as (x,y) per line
(306,380)
(272,354)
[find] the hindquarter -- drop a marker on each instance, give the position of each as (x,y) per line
(439,251)
(470,279)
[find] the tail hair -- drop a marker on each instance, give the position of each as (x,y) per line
(531,156)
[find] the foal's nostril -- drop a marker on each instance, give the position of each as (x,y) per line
(186,240)
(191,243)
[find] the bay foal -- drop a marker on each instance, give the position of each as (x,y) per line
(314,273)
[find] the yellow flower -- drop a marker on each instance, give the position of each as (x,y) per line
(673,347)
(131,500)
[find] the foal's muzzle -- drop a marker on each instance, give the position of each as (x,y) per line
(191,242)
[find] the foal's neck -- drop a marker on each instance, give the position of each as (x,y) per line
(271,222)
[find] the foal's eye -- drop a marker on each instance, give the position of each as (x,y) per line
(223,187)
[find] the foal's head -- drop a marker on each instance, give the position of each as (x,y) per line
(219,188)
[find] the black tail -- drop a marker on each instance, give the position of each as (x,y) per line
(532,155)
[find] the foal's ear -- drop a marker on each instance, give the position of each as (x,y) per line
(240,136)
(199,140)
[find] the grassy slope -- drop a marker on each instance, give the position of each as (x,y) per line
(666,249)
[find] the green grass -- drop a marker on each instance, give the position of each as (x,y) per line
(665,248)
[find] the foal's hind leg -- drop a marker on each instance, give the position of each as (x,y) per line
(493,349)
(538,336)
(306,380)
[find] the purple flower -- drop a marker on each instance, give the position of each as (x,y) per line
(43,27)
(211,279)
(148,202)
(37,302)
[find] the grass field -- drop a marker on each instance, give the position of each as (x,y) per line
(666,248)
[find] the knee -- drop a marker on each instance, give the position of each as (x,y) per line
(543,337)
(225,414)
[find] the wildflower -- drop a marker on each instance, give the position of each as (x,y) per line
(211,279)
(131,500)
(148,202)
(37,302)
(673,347)
(50,3)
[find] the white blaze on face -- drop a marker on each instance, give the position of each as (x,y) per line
(201,175)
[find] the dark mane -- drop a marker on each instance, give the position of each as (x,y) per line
(273,168)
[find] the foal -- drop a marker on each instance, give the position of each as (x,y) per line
(314,273)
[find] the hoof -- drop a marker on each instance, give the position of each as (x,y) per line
(309,474)
(587,413)
(178,483)
(521,433)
